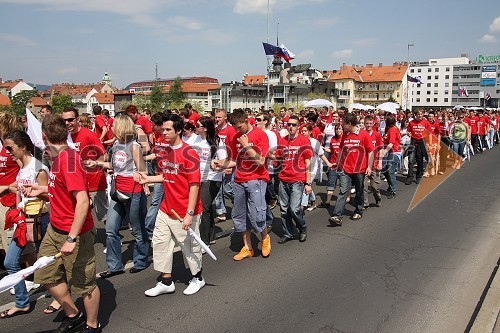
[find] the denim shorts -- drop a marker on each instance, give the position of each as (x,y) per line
(249,211)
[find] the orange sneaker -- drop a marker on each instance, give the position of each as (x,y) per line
(266,246)
(244,253)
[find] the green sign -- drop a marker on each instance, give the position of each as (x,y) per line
(487,59)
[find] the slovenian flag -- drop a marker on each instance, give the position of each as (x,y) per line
(416,79)
(462,91)
(488,96)
(279,51)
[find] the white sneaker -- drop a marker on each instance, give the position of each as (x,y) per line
(159,289)
(194,286)
(29,287)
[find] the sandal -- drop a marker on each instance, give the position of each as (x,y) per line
(51,309)
(5,314)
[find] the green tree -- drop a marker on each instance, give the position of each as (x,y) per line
(158,99)
(59,102)
(174,94)
(141,101)
(391,99)
(20,100)
(317,96)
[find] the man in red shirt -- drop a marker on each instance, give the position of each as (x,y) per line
(483,127)
(88,145)
(295,179)
(193,116)
(474,130)
(356,160)
(71,231)
(418,128)
(372,181)
(101,123)
(248,154)
(180,168)
(140,122)
(226,133)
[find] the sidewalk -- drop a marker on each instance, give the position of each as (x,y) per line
(488,318)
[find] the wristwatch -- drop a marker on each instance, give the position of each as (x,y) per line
(309,184)
(190,212)
(70,239)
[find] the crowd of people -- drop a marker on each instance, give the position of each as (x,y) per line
(190,164)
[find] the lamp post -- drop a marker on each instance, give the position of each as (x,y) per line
(407,83)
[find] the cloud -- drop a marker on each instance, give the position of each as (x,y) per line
(260,6)
(495,26)
(488,39)
(343,54)
(185,22)
(306,54)
(365,42)
(16,39)
(69,70)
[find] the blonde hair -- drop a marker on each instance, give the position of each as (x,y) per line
(124,128)
(85,121)
(8,123)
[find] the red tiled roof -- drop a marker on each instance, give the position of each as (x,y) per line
(370,73)
(38,101)
(104,98)
(4,100)
(73,89)
(254,80)
(192,87)
(9,85)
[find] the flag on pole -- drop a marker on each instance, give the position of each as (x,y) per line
(286,53)
(416,79)
(34,130)
(488,96)
(462,91)
(270,49)
(279,51)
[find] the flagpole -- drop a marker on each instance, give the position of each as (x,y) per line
(267,103)
(407,83)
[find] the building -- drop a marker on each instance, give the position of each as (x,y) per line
(35,104)
(11,88)
(369,84)
(437,89)
(4,100)
(235,95)
(104,100)
(147,86)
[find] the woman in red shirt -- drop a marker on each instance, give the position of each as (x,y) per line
(334,151)
(391,155)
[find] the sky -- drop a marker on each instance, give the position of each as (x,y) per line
(76,41)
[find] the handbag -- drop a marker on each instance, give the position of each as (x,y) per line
(34,226)
(115,194)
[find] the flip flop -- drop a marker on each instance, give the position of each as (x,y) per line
(5,314)
(51,309)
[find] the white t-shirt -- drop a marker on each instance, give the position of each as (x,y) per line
(202,147)
(28,175)
(329,132)
(273,143)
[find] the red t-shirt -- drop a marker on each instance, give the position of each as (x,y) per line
(326,117)
(473,125)
(417,128)
(294,153)
(247,169)
(335,149)
(226,135)
(109,133)
(88,145)
(193,117)
(251,121)
(100,123)
(355,147)
(392,135)
(435,128)
(180,166)
(144,124)
(376,138)
(66,175)
(482,124)
(8,173)
(443,128)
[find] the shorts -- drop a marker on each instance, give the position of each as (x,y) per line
(249,211)
(78,268)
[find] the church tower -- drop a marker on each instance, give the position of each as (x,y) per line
(106,79)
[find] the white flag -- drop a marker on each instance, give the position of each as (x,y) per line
(34,130)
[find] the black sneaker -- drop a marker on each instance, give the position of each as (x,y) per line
(88,329)
(69,325)
(408,181)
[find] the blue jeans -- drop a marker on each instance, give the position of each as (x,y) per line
(156,199)
(290,197)
(227,188)
(11,264)
(135,209)
(45,219)
(391,163)
(346,181)
(333,175)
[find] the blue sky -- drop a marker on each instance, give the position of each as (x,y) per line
(75,41)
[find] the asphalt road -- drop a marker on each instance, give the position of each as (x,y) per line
(392,271)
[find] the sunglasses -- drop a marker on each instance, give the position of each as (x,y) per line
(69,120)
(259,119)
(9,148)
(198,126)
(293,124)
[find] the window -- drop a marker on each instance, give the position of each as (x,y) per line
(436,77)
(436,70)
(435,100)
(391,86)
(446,84)
(429,70)
(436,85)
(418,92)
(418,99)
(428,85)
(428,92)
(428,77)
(428,100)
(435,92)
(447,69)
(412,70)
(446,92)
(419,70)
(447,77)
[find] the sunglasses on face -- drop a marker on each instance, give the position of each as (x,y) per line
(69,120)
(293,124)
(9,148)
(259,119)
